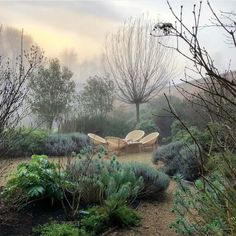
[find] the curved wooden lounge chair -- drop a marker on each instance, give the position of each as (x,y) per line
(134,135)
(116,144)
(97,140)
(149,140)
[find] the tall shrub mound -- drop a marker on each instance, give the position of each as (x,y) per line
(169,155)
(118,123)
(179,159)
(26,142)
(154,182)
(65,144)
(105,178)
(101,180)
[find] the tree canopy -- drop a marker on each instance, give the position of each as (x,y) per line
(51,91)
(138,63)
(98,96)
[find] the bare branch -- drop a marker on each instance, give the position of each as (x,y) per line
(138,63)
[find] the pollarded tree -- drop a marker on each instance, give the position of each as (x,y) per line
(140,66)
(51,91)
(98,96)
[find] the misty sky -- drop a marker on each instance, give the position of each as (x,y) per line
(83,25)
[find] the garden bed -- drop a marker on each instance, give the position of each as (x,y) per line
(155,215)
(20,223)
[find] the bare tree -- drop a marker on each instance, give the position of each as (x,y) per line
(14,76)
(216,93)
(140,66)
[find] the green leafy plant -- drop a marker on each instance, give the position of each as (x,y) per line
(117,124)
(59,229)
(148,126)
(112,213)
(96,221)
(90,179)
(37,179)
(51,91)
(25,142)
(121,184)
(120,214)
(203,138)
(76,185)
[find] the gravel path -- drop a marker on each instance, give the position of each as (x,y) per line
(156,218)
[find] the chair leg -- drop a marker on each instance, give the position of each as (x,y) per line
(156,145)
(140,148)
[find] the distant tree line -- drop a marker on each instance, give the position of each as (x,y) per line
(137,69)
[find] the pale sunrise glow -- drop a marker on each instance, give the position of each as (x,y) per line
(55,41)
(82,26)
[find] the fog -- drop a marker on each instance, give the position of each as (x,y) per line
(75,31)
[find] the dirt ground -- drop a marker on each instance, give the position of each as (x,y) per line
(156,216)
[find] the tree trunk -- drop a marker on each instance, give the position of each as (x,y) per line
(50,124)
(137,112)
